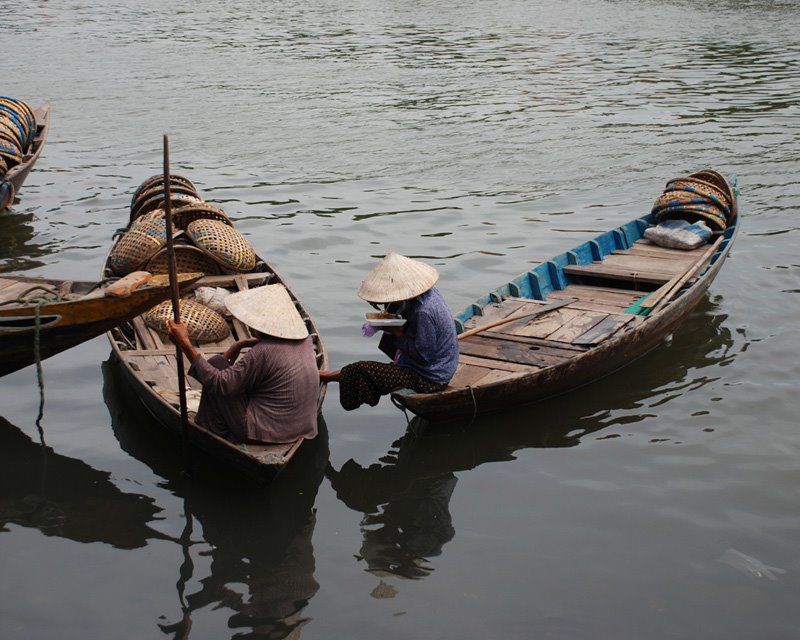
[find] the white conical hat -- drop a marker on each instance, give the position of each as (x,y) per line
(268,309)
(397,278)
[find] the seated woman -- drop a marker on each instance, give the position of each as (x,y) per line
(270,394)
(424,351)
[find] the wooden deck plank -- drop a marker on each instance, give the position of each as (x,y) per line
(468,374)
(597,307)
(507,351)
(601,295)
(560,349)
(604,330)
(498,365)
(645,263)
(494,312)
(144,334)
(577,326)
(611,272)
(543,326)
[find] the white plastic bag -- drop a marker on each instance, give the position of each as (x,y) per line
(213,297)
(679,234)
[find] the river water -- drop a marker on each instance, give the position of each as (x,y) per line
(661,502)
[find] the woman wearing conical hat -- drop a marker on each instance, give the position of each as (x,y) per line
(423,350)
(270,393)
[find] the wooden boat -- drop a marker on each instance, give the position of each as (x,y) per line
(148,360)
(76,311)
(12,182)
(573,319)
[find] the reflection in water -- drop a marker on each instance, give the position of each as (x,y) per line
(259,538)
(67,498)
(17,248)
(405,498)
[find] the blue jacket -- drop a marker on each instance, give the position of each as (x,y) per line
(429,344)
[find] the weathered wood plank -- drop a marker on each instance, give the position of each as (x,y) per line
(576,326)
(494,312)
(601,295)
(467,375)
(507,351)
(604,330)
(561,349)
(610,272)
(542,327)
(498,365)
(644,263)
(144,335)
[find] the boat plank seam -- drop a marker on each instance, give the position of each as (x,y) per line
(497,365)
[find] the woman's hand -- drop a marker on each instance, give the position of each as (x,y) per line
(179,334)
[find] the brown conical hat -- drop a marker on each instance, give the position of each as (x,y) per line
(397,278)
(268,309)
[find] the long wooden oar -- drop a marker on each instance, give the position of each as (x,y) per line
(666,291)
(176,309)
(496,323)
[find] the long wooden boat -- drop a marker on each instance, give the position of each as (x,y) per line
(12,182)
(579,316)
(67,313)
(148,362)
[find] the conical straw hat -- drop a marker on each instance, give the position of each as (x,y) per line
(397,278)
(268,309)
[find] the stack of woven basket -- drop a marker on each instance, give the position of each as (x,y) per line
(204,241)
(17,131)
(704,195)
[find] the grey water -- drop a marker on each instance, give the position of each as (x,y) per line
(660,502)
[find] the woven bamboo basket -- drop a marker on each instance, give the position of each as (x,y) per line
(679,197)
(3,167)
(204,324)
(12,112)
(11,152)
(188,258)
(176,200)
(701,187)
(715,178)
(158,179)
(158,192)
(8,130)
(223,243)
(712,214)
(140,243)
(183,216)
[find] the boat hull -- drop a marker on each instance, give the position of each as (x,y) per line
(63,325)
(14,179)
(576,362)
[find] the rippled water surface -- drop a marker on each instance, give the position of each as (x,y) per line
(661,502)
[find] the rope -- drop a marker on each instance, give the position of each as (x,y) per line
(474,405)
(402,408)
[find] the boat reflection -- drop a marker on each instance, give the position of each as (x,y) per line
(259,540)
(65,497)
(405,498)
(18,249)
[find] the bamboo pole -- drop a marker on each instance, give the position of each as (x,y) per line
(176,309)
